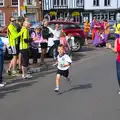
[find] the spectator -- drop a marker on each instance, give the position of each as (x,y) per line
(13,43)
(44,44)
(117,29)
(36,36)
(86,31)
(1,63)
(24,49)
(56,38)
(106,29)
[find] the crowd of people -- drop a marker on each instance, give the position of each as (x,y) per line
(100,32)
(23,42)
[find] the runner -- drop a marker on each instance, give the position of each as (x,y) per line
(116,49)
(64,62)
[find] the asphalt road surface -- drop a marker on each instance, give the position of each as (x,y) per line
(92,96)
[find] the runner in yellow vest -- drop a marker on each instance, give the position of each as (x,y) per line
(24,49)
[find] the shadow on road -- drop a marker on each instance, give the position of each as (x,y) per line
(13,89)
(77,87)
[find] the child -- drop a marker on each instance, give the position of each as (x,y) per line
(1,63)
(69,40)
(64,42)
(64,62)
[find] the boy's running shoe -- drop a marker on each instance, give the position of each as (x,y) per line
(56,89)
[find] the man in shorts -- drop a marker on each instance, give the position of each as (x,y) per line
(13,43)
(24,49)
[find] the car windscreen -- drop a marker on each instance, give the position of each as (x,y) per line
(65,26)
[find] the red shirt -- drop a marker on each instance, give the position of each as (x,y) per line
(118,49)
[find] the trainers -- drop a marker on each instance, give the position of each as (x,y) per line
(2,84)
(56,89)
(14,73)
(8,72)
(27,76)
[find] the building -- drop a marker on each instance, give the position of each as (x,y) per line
(64,8)
(34,10)
(101,9)
(8,8)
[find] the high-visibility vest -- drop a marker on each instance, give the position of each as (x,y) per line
(12,35)
(24,35)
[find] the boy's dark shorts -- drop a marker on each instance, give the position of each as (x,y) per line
(64,73)
(25,57)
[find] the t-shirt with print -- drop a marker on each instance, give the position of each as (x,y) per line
(64,59)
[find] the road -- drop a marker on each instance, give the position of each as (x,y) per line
(93,95)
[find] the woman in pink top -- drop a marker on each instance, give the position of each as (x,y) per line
(64,42)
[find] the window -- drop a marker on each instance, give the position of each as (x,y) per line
(95,2)
(29,2)
(60,2)
(79,3)
(2,19)
(15,14)
(15,2)
(1,2)
(106,2)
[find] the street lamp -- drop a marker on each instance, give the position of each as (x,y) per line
(18,7)
(41,10)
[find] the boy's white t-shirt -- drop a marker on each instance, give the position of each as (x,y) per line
(63,60)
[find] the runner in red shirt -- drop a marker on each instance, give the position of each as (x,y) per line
(116,49)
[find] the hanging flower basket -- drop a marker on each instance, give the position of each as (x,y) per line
(53,13)
(75,14)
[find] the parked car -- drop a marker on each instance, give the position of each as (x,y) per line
(74,29)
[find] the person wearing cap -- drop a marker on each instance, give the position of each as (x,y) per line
(24,49)
(13,43)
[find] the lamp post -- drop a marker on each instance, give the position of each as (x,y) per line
(18,7)
(41,10)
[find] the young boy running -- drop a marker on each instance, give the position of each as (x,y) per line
(64,62)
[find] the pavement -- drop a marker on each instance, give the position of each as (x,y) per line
(92,96)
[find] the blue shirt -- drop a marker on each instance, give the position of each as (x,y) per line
(1,46)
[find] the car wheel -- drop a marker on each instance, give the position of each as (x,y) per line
(52,52)
(77,45)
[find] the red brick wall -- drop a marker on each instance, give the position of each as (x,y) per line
(8,9)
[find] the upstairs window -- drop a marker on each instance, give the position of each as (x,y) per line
(14,2)
(95,2)
(106,2)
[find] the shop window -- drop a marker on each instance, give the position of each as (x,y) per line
(2,19)
(107,2)
(95,2)
(1,2)
(14,2)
